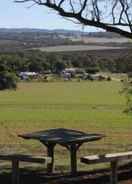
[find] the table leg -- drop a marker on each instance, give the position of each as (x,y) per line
(50,153)
(15,172)
(114,173)
(73,154)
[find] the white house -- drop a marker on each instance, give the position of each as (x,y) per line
(26,75)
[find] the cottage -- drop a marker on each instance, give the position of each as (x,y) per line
(27,75)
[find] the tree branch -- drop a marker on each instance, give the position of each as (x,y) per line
(96,20)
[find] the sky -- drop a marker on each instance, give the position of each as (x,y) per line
(19,15)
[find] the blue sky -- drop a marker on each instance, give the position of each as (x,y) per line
(14,15)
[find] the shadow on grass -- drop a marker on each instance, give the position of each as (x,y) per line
(100,176)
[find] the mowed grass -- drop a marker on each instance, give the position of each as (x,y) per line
(88,106)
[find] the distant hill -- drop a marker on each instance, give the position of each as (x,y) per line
(24,38)
(58,31)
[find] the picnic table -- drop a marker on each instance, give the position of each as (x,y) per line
(70,139)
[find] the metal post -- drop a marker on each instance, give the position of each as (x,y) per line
(15,172)
(50,153)
(73,154)
(114,174)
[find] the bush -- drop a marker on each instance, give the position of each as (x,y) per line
(92,70)
(8,80)
(109,78)
(127,91)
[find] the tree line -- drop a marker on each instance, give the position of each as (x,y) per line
(38,61)
(11,64)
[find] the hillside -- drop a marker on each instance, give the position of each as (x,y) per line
(21,39)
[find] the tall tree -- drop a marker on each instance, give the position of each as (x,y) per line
(110,15)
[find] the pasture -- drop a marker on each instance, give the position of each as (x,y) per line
(87,106)
(67,48)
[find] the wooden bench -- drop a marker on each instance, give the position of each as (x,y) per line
(16,158)
(113,158)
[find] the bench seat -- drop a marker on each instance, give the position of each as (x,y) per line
(25,158)
(113,158)
(16,158)
(94,159)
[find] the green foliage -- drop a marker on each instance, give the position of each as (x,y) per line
(92,70)
(127,90)
(7,80)
(59,66)
(38,61)
(7,77)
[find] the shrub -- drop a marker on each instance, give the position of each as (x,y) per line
(8,80)
(109,78)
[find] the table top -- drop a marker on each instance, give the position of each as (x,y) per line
(62,136)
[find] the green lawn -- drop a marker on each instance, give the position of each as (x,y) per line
(87,106)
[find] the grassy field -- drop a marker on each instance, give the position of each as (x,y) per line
(87,106)
(67,48)
(101,40)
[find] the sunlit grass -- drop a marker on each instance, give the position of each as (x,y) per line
(87,106)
